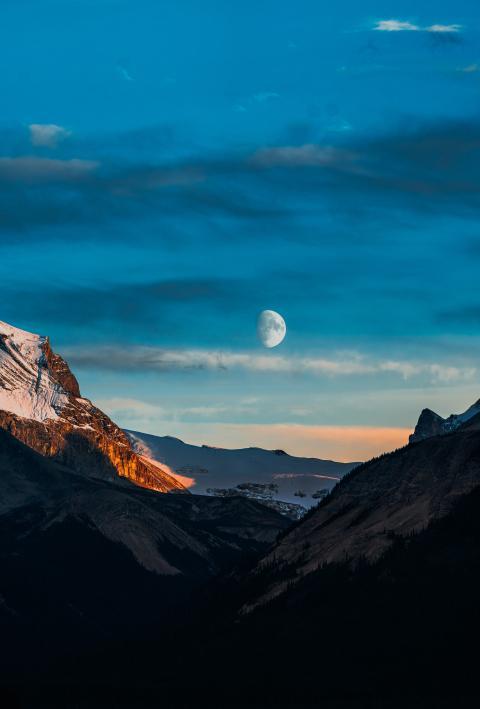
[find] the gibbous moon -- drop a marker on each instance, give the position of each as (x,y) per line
(271,328)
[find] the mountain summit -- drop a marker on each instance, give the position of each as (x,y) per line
(41,405)
(431,424)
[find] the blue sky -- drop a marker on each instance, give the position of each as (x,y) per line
(169,169)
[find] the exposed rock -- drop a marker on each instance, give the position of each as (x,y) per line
(431,424)
(40,404)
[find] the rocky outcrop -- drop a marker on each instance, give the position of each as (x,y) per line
(41,405)
(60,370)
(431,424)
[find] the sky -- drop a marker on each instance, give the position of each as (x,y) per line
(168,169)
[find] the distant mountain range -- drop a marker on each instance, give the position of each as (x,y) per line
(206,469)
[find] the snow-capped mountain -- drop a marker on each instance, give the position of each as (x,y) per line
(41,405)
(431,424)
(209,470)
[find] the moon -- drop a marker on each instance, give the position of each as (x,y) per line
(271,328)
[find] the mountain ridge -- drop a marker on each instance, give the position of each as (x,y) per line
(212,467)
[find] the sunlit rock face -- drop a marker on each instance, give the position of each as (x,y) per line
(41,405)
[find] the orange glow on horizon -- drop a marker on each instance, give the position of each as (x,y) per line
(340,443)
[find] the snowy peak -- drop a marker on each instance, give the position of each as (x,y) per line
(40,404)
(34,383)
(223,471)
(431,424)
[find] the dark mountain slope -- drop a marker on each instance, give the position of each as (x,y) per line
(401,632)
(143,522)
(398,493)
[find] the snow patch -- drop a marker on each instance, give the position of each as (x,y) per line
(26,386)
(183,479)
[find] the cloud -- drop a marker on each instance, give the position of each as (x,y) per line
(125,75)
(424,168)
(265,96)
(154,359)
(257,98)
(395,26)
(149,307)
(437,372)
(308,155)
(33,170)
(443,29)
(464,315)
(405,26)
(470,69)
(137,409)
(427,169)
(47,135)
(124,405)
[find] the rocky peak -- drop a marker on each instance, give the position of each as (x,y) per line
(40,404)
(431,424)
(59,370)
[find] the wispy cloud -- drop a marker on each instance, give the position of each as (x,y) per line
(470,69)
(34,170)
(309,155)
(47,135)
(395,25)
(264,96)
(145,411)
(133,407)
(340,365)
(416,168)
(444,29)
(124,73)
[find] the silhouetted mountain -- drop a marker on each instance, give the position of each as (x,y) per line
(431,424)
(398,493)
(85,560)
